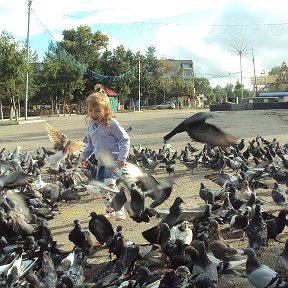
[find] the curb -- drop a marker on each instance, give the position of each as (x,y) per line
(4,123)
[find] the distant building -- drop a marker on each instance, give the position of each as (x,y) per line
(199,101)
(113,98)
(185,70)
(271,83)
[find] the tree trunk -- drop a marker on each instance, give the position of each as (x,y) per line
(1,111)
(13,112)
(18,107)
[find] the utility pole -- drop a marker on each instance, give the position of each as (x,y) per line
(193,86)
(255,84)
(241,50)
(27,60)
(139,88)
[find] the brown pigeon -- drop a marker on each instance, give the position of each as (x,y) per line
(62,143)
(219,247)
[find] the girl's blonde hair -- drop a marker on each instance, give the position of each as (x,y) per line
(100,99)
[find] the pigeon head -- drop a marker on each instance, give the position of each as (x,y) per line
(249,252)
(164,226)
(141,271)
(93,214)
(119,228)
(192,252)
(76,222)
(214,225)
(183,226)
(179,243)
(283,212)
(179,200)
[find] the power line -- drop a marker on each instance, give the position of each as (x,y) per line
(182,24)
(91,74)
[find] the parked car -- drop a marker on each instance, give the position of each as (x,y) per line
(166,105)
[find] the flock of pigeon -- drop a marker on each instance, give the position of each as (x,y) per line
(184,249)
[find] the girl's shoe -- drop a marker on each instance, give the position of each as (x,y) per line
(120,215)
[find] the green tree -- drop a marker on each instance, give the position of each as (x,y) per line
(203,86)
(220,94)
(229,90)
(86,48)
(12,73)
(122,62)
(275,71)
(238,91)
(61,78)
(84,45)
(165,69)
(149,76)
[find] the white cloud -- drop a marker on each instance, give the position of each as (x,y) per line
(203,30)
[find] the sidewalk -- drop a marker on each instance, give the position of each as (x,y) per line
(21,120)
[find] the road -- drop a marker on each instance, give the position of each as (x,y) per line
(149,127)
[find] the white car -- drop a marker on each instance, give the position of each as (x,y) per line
(166,105)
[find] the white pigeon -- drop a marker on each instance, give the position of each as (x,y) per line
(183,232)
(39,183)
(67,262)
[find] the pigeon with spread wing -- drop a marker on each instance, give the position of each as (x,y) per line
(62,142)
(201,131)
(62,145)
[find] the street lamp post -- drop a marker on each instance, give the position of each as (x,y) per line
(27,60)
(139,88)
(255,80)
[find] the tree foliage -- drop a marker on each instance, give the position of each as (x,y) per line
(60,78)
(13,64)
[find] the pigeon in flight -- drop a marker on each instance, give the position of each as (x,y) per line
(202,132)
(14,179)
(62,143)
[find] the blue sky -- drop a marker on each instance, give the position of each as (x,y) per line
(206,31)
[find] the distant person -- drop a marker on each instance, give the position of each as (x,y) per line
(179,105)
(104,133)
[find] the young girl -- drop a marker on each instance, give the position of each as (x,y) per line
(104,133)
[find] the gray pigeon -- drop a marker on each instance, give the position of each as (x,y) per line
(260,275)
(203,269)
(257,232)
(278,195)
(282,261)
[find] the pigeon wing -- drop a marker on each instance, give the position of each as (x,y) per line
(190,123)
(17,178)
(56,137)
(223,179)
(211,135)
(73,146)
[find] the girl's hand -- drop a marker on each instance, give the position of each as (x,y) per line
(118,169)
(120,164)
(83,163)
